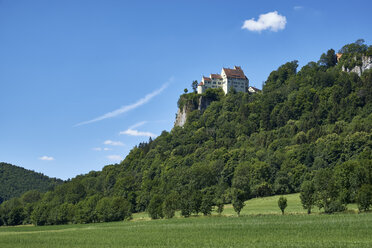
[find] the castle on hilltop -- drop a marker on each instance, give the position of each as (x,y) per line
(228,79)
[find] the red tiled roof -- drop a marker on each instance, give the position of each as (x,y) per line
(206,78)
(216,76)
(234,73)
(201,84)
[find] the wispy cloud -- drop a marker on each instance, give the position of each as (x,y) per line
(113,143)
(298,7)
(141,123)
(46,158)
(271,21)
(98,149)
(129,107)
(133,132)
(115,157)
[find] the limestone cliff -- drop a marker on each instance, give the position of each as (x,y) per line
(185,106)
(204,102)
(181,117)
(359,69)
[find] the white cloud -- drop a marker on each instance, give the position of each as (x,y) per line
(298,7)
(113,143)
(115,157)
(129,107)
(132,132)
(98,149)
(46,158)
(271,21)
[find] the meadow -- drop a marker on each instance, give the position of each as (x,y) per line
(261,225)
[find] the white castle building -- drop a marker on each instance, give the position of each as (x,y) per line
(229,78)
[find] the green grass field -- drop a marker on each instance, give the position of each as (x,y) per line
(260,206)
(251,230)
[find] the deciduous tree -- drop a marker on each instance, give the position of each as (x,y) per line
(155,208)
(364,197)
(238,200)
(307,195)
(282,203)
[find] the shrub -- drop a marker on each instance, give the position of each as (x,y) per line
(335,206)
(282,203)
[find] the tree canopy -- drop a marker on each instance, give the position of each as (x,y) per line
(14,181)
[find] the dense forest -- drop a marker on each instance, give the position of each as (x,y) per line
(14,181)
(308,131)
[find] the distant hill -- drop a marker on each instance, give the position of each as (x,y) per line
(15,180)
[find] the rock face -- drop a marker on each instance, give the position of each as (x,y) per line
(181,116)
(366,64)
(204,102)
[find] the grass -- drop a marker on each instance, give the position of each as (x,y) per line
(260,206)
(269,205)
(251,230)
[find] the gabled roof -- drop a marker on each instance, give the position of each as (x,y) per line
(206,78)
(254,88)
(201,84)
(237,72)
(216,76)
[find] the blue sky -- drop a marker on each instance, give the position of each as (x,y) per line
(82,82)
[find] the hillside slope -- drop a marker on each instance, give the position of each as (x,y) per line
(14,181)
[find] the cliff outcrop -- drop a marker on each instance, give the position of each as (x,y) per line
(188,103)
(181,116)
(366,63)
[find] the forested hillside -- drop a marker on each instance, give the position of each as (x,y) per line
(308,131)
(14,181)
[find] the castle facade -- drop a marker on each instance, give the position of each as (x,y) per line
(228,79)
